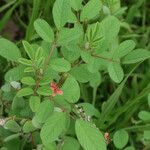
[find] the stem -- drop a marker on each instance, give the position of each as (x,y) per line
(45,67)
(94,95)
(49,56)
(108,59)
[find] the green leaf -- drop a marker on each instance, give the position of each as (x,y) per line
(25,61)
(25,92)
(62,13)
(81,73)
(147,134)
(34,103)
(95,80)
(9,50)
(129,148)
(12,126)
(115,72)
(71,90)
(108,31)
(91,10)
(89,109)
(29,69)
(71,52)
(76,4)
(44,30)
(44,90)
(70,143)
(28,127)
(69,35)
(28,81)
(111,102)
(136,56)
(120,139)
(125,47)
(144,115)
(14,74)
(44,111)
(60,65)
(149,99)
(53,128)
(28,48)
(12,137)
(89,136)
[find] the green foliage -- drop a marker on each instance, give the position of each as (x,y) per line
(9,50)
(44,30)
(120,138)
(89,136)
(78,79)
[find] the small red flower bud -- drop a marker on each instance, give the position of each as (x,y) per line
(55,89)
(107,137)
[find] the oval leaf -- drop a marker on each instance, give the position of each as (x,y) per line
(89,136)
(53,127)
(91,9)
(136,56)
(60,65)
(120,138)
(9,50)
(71,90)
(115,72)
(44,30)
(34,103)
(12,126)
(25,92)
(44,111)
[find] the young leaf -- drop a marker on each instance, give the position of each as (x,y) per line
(44,111)
(120,139)
(25,61)
(136,56)
(9,50)
(28,81)
(25,92)
(28,127)
(44,30)
(71,90)
(44,90)
(125,47)
(12,126)
(91,9)
(115,72)
(28,48)
(89,136)
(34,103)
(54,126)
(29,69)
(60,65)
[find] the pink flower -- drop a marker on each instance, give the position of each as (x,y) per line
(55,89)
(107,137)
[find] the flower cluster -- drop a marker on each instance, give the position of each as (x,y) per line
(56,90)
